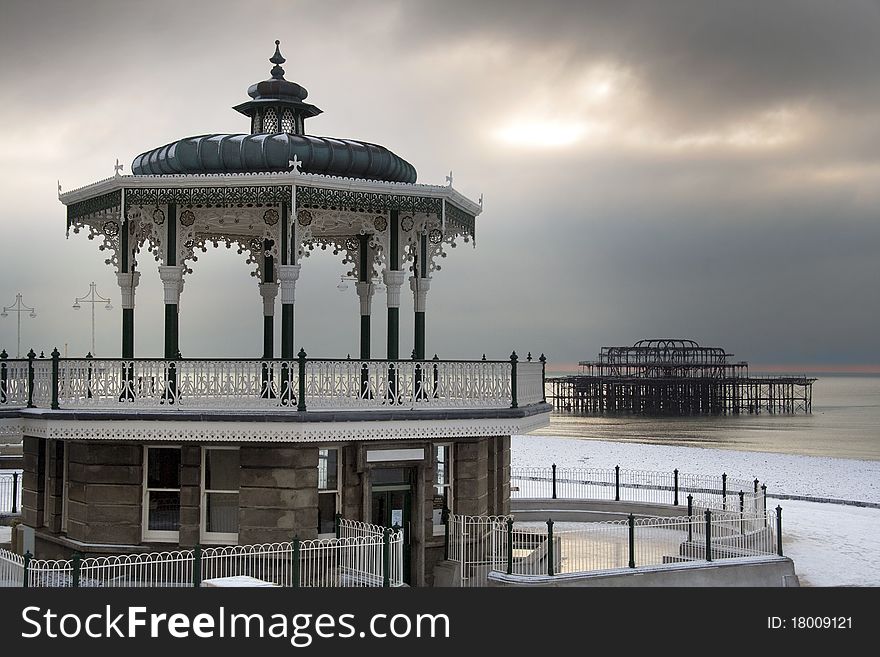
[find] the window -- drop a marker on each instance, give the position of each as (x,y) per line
(442,484)
(255,123)
(161,521)
(270,121)
(288,124)
(329,475)
(220,477)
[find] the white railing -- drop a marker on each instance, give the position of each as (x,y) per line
(42,383)
(346,384)
(13,383)
(474,545)
(180,384)
(275,384)
(11,569)
(529,383)
(10,491)
(706,491)
(355,561)
(620,544)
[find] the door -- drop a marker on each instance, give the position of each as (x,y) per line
(391,506)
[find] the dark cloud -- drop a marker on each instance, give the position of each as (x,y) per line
(683,218)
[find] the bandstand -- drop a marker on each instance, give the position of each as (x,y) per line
(141,454)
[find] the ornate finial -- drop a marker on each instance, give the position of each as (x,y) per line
(295,164)
(59,189)
(449,178)
(278,60)
(481,200)
(117,168)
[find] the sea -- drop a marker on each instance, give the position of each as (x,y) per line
(845,423)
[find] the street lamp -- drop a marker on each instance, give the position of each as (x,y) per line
(92,297)
(18,307)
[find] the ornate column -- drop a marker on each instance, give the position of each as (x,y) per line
(393,278)
(365,295)
(419,287)
(172,279)
(268,291)
(127,284)
(288,275)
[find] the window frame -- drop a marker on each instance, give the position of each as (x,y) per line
(155,535)
(221,538)
(337,491)
(439,529)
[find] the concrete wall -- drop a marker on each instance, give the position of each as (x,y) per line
(753,572)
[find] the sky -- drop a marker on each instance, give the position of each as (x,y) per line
(684,169)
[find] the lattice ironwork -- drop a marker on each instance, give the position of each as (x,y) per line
(247,196)
(466,223)
(345,199)
(92,205)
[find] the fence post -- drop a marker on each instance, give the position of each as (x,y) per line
(301,401)
(742,506)
(550,547)
(779,530)
(27,564)
(724,491)
(764,498)
(76,565)
(708,535)
(445,517)
(3,376)
(554,480)
(510,546)
(197,566)
(30,378)
(543,360)
(386,557)
(632,541)
(56,355)
(690,517)
(14,492)
(337,524)
(617,483)
(675,501)
(296,564)
(513,359)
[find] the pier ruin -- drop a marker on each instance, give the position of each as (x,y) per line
(676,377)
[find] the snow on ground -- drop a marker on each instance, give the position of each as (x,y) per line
(831,544)
(815,476)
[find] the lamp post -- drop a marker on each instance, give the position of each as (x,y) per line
(92,297)
(18,307)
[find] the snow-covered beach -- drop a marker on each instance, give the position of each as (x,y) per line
(831,544)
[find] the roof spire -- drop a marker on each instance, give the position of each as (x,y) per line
(278,60)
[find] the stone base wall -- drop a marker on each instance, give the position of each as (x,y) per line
(278,496)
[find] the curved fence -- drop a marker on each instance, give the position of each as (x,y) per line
(372,557)
(623,485)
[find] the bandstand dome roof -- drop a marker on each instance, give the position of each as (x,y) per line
(278,112)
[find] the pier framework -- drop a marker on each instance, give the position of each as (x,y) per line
(676,377)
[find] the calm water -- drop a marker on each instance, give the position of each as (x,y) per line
(845,423)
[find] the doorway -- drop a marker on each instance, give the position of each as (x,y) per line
(391,505)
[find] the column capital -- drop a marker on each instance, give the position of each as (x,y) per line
(127,284)
(172,279)
(288,275)
(268,291)
(393,279)
(420,287)
(365,294)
